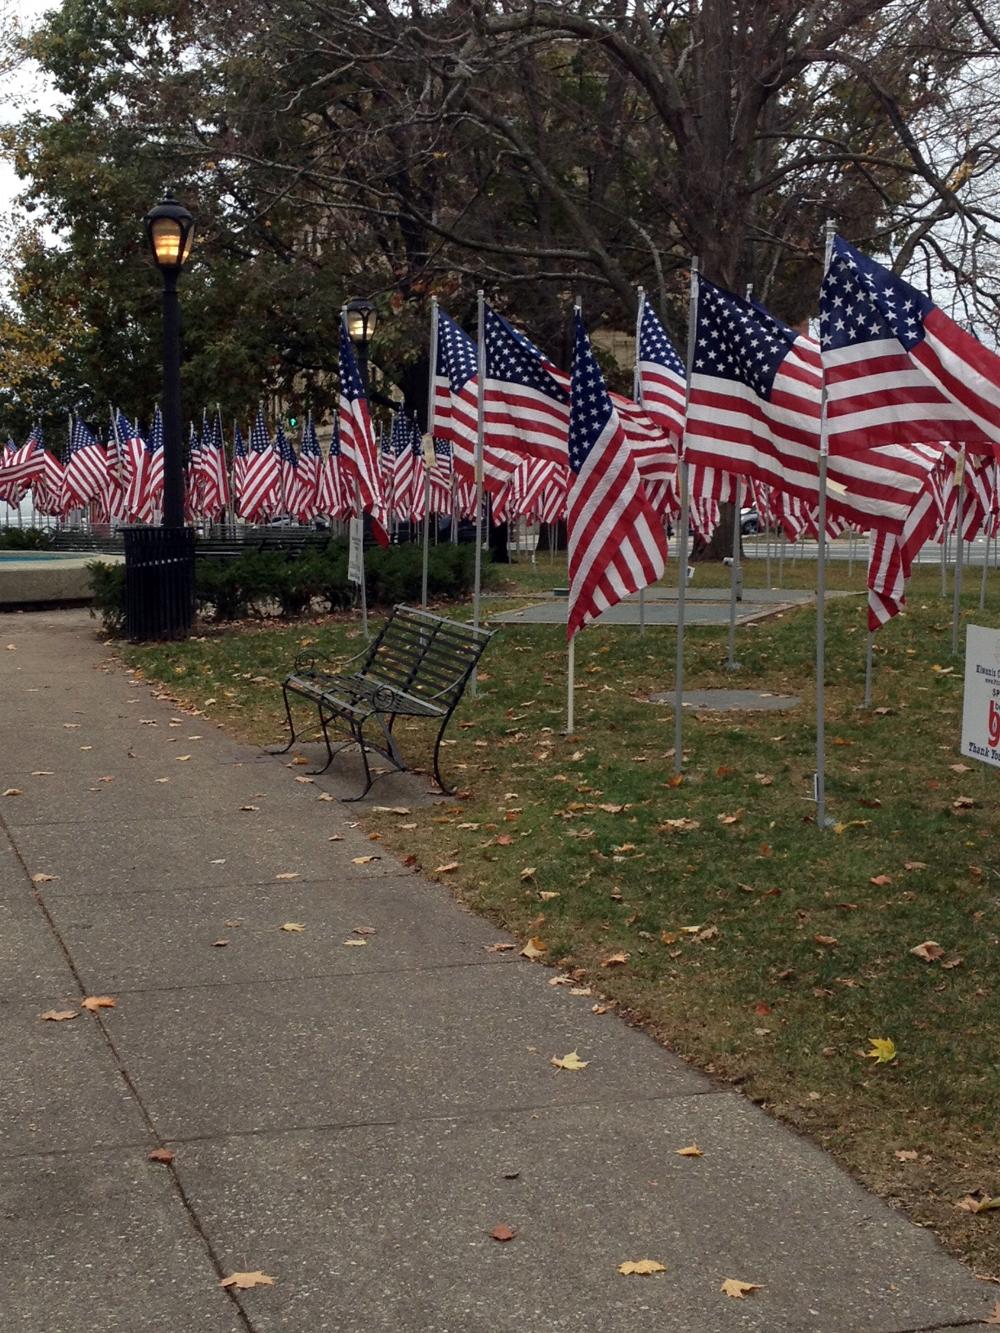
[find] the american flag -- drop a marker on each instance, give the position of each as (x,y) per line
(526,404)
(456,381)
(262,478)
(754,410)
(193,495)
(151,476)
(239,472)
(892,554)
(289,496)
(86,476)
(212,479)
(407,467)
(440,476)
(616,541)
(897,369)
(357,439)
(530,483)
(21,468)
(335,498)
(662,377)
(310,472)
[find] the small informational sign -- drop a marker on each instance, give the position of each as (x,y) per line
(981,708)
(355,556)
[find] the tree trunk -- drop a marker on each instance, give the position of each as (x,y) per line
(720,546)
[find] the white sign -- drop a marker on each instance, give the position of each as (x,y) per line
(355,557)
(981,709)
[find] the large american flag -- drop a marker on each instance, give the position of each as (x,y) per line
(262,477)
(455,408)
(892,554)
(616,541)
(754,410)
(662,378)
(86,476)
(897,369)
(21,468)
(359,456)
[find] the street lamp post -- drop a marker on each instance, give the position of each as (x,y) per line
(159,562)
(361,318)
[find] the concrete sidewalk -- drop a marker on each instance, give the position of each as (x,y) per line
(352,1121)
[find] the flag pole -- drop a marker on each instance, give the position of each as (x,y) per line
(571,646)
(682,547)
(480,439)
(734,575)
(637,395)
(427,528)
(820,777)
(430,436)
(986,562)
(870,644)
(959,549)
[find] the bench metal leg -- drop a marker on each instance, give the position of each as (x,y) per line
(314,772)
(448,791)
(291,725)
(358,729)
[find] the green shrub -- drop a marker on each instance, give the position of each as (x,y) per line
(25,539)
(107,583)
(261,582)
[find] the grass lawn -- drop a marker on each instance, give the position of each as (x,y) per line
(765,951)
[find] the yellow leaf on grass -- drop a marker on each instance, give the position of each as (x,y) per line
(883,1050)
(547,895)
(446,868)
(528,872)
(95,1002)
(640,1268)
(929,951)
(571,1061)
(692,1150)
(59,1015)
(244,1281)
(739,1290)
(851,823)
(293,927)
(615,960)
(535,948)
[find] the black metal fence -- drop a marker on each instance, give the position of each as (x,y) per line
(159,582)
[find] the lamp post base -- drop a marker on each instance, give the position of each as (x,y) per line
(159,583)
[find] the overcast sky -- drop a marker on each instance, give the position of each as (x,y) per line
(24,90)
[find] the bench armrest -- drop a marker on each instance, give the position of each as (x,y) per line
(307,661)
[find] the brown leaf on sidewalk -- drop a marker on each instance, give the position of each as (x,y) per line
(293,927)
(571,1061)
(535,948)
(502,1233)
(42,878)
(163,1155)
(364,860)
(640,1267)
(95,1002)
(739,1290)
(288,874)
(244,1281)
(692,1150)
(13,791)
(59,1015)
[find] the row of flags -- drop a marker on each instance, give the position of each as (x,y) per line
(903,404)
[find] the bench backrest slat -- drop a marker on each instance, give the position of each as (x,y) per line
(425,655)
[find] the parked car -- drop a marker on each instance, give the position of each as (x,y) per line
(750,521)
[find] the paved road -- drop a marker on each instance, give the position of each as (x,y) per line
(352,1121)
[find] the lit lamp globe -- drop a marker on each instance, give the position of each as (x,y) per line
(361,319)
(170,231)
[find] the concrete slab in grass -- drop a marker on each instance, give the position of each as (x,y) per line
(32,965)
(101,1243)
(189,852)
(396,1233)
(60,1090)
(169,938)
(339,1050)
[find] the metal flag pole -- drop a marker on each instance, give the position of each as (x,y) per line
(480,437)
(986,564)
(571,645)
(734,576)
(944,557)
(870,644)
(427,531)
(819,780)
(767,539)
(781,559)
(959,549)
(682,545)
(637,395)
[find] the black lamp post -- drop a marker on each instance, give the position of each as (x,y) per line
(159,562)
(170,231)
(361,318)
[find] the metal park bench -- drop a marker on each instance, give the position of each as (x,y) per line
(418,666)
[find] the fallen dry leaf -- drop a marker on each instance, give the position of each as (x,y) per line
(249,807)
(535,948)
(59,1015)
(364,860)
(163,1155)
(219,944)
(391,810)
(501,947)
(287,874)
(914,865)
(640,1268)
(446,869)
(571,1061)
(95,1002)
(528,872)
(42,878)
(883,1050)
(43,773)
(828,940)
(502,1233)
(738,1290)
(13,791)
(355,943)
(306,782)
(692,1150)
(182,758)
(682,825)
(994,1318)
(547,895)
(906,1154)
(929,951)
(244,1281)
(615,960)
(293,927)
(978,1203)
(881,881)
